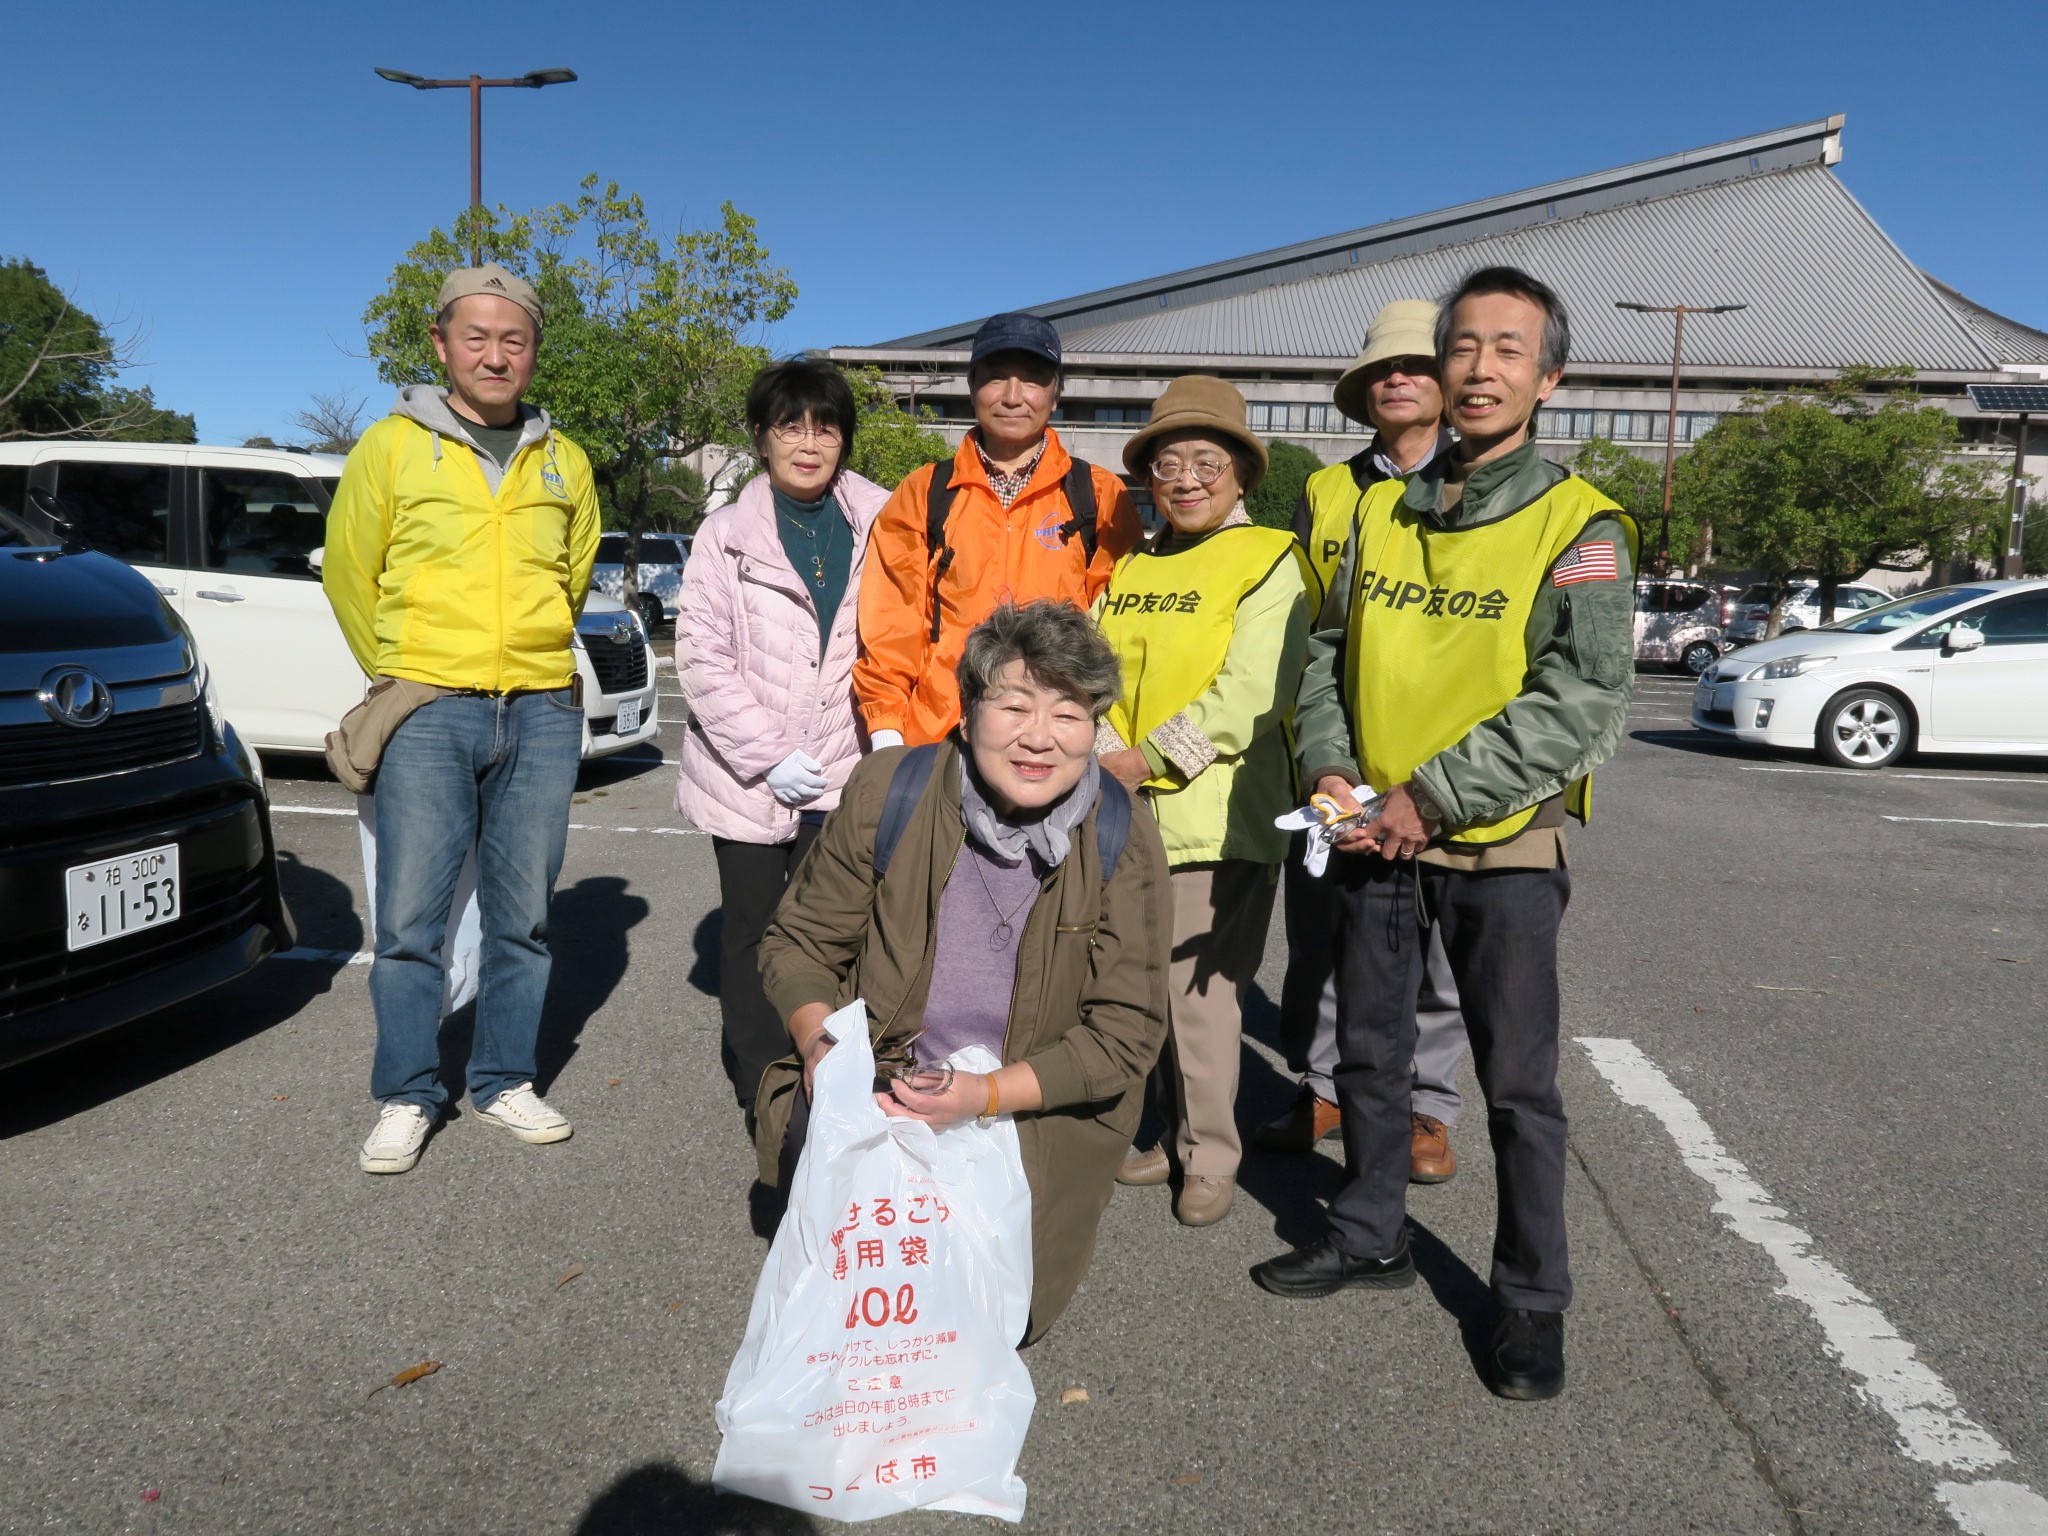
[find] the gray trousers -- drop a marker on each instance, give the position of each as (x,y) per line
(1440,1042)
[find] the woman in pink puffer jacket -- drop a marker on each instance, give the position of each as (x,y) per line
(766,634)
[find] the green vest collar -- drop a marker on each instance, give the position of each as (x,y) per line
(1496,489)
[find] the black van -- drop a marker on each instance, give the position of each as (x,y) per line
(136,862)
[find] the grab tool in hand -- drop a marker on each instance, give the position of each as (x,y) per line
(1325,821)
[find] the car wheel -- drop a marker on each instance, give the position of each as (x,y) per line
(1864,728)
(650,610)
(1699,656)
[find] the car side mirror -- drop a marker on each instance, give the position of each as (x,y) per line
(51,507)
(314,558)
(1961,638)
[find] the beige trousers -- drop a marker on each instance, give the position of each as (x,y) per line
(1220,914)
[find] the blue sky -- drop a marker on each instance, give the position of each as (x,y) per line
(232,180)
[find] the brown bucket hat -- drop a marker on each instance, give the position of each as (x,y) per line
(1197,402)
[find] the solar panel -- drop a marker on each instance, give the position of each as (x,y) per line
(2031,398)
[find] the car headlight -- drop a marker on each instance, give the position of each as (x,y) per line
(1790,666)
(212,696)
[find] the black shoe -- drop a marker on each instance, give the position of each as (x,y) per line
(1527,1359)
(1322,1269)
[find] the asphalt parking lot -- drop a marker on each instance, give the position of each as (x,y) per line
(1809,1216)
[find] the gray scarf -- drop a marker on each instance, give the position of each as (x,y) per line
(1047,834)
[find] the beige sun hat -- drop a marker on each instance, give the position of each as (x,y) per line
(1197,402)
(1404,328)
(464,282)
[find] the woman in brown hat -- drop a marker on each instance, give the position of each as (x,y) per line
(1209,618)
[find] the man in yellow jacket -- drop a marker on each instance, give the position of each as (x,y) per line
(458,555)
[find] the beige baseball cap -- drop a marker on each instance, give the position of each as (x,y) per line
(493,279)
(1404,328)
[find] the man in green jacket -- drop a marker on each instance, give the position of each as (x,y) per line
(1472,664)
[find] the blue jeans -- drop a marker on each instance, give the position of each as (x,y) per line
(499,773)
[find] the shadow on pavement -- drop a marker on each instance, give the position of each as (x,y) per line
(588,924)
(1699,743)
(707,973)
(660,1499)
(104,1067)
(1457,1289)
(604,772)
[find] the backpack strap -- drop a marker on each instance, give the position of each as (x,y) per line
(1112,824)
(913,772)
(906,787)
(1080,490)
(938,501)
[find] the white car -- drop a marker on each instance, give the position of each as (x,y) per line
(1750,613)
(662,556)
(232,538)
(1957,669)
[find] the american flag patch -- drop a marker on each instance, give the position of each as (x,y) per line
(1586,562)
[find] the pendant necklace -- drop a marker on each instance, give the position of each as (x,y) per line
(818,554)
(1005,931)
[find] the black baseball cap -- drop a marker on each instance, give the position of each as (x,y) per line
(1016,332)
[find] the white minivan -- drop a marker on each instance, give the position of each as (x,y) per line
(232,538)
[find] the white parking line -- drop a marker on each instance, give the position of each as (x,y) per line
(574,826)
(1967,821)
(1932,1427)
(327,956)
(1870,776)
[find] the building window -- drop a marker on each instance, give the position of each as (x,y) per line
(1623,426)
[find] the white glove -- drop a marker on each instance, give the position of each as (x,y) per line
(881,739)
(797,780)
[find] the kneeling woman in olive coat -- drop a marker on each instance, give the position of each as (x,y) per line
(994,925)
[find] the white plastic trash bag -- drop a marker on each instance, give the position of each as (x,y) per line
(462,946)
(880,1372)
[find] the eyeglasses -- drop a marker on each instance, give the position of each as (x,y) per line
(793,432)
(1168,468)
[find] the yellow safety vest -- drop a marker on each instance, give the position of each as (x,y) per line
(1439,629)
(1334,502)
(1169,618)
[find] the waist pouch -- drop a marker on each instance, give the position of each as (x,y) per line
(356,746)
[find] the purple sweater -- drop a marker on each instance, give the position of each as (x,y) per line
(974,973)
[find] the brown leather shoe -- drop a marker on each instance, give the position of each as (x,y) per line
(1307,1120)
(1430,1158)
(1203,1201)
(1144,1167)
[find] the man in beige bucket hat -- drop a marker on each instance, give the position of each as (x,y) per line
(1393,389)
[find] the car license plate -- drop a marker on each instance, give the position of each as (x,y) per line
(1724,696)
(121,896)
(629,718)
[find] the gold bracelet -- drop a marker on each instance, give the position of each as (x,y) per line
(988,1116)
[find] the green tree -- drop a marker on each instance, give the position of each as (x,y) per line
(59,368)
(888,441)
(1831,481)
(675,502)
(1638,484)
(1288,466)
(647,350)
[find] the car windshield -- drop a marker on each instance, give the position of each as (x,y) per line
(1900,612)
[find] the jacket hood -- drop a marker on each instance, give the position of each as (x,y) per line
(428,405)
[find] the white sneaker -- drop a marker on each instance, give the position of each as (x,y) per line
(526,1115)
(395,1141)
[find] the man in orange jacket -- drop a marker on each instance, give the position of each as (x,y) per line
(1013,518)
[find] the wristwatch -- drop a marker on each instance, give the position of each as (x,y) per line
(1425,803)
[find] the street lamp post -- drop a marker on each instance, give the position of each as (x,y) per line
(532,80)
(1671,424)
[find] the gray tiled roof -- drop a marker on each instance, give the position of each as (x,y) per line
(1761,221)
(1824,286)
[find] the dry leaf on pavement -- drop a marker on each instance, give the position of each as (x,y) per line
(1187,1479)
(569,1274)
(1074,1395)
(279,1098)
(407,1377)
